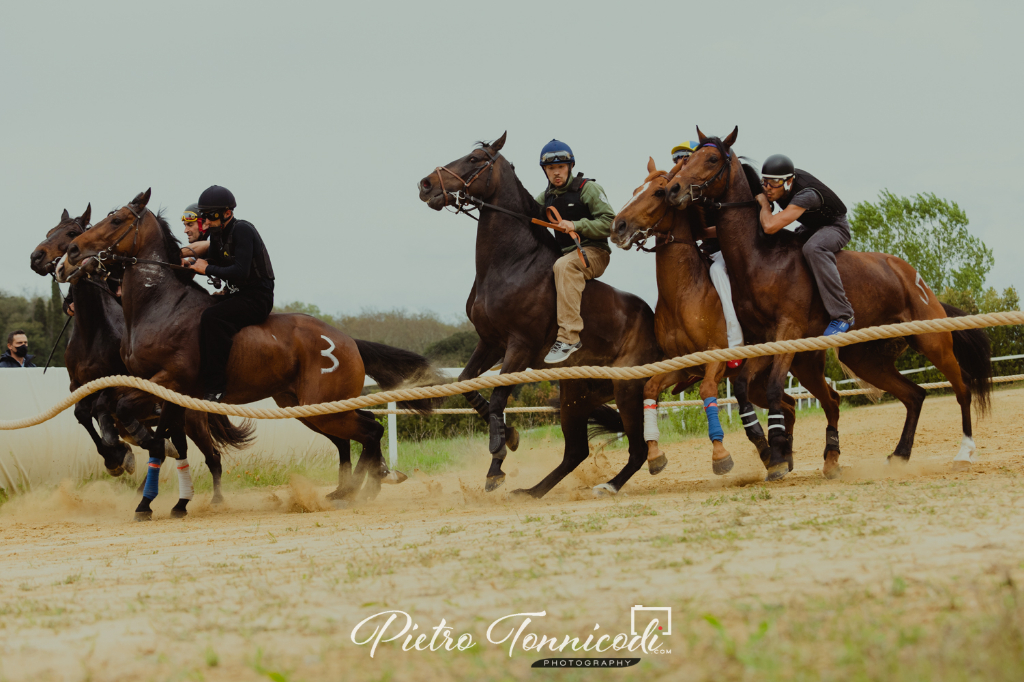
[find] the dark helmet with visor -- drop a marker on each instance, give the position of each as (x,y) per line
(214,202)
(778,167)
(190,214)
(556,152)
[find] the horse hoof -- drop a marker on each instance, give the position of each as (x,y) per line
(129,462)
(656,466)
(522,493)
(722,466)
(897,459)
(170,450)
(339,504)
(961,465)
(116,472)
(606,489)
(777,471)
(144,516)
(494,482)
(340,494)
(179,513)
(394,478)
(831,470)
(512,438)
(217,498)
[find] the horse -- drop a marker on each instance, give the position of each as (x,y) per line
(777,299)
(512,307)
(688,317)
(94,351)
(293,358)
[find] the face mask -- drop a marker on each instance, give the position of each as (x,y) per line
(21,351)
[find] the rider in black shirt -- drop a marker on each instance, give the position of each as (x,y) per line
(236,254)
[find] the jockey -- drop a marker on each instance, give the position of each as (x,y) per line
(236,254)
(822,217)
(683,151)
(719,275)
(583,206)
(194,229)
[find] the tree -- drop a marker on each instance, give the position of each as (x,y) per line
(929,233)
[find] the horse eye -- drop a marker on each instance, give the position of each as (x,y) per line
(712,159)
(72,234)
(473,159)
(659,192)
(117,221)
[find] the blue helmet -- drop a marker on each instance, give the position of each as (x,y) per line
(556,152)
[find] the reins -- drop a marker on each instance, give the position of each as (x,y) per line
(108,254)
(462,197)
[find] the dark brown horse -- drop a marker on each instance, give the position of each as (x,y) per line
(688,317)
(94,351)
(512,306)
(294,359)
(776,299)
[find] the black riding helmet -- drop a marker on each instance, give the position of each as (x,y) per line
(778,166)
(214,201)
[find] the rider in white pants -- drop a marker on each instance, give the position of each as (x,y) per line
(719,275)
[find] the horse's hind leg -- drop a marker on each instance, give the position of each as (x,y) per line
(360,426)
(634,424)
(873,362)
(656,459)
(939,349)
(721,460)
(197,427)
(809,368)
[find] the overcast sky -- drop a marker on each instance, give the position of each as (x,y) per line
(322,116)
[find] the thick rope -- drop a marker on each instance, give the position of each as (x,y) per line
(946,324)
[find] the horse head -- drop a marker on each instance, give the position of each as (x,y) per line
(705,173)
(644,214)
(119,234)
(45,256)
(478,174)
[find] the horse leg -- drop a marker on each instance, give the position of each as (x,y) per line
(155,445)
(751,385)
(721,460)
(628,396)
(482,359)
(873,362)
(576,404)
(516,359)
(113,453)
(656,460)
(939,349)
(360,426)
(197,427)
(780,461)
(809,368)
(185,488)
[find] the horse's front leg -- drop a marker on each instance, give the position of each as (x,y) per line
(171,421)
(721,460)
(656,460)
(516,359)
(483,358)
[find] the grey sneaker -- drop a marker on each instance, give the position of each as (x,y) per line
(560,351)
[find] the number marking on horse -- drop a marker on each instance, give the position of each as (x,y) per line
(920,285)
(329,353)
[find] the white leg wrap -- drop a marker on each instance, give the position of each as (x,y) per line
(720,278)
(651,420)
(185,490)
(967,450)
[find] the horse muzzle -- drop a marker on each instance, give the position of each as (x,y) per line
(678,198)
(622,233)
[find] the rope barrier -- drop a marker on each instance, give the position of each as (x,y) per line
(914,328)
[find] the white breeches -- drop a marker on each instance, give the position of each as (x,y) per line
(720,278)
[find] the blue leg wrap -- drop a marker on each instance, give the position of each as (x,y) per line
(152,479)
(715,431)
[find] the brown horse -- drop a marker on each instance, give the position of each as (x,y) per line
(295,359)
(688,317)
(776,299)
(94,351)
(512,306)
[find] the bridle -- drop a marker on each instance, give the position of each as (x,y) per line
(697,191)
(109,255)
(461,197)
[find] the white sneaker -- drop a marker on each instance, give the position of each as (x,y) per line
(560,351)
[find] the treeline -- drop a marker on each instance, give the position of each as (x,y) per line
(41,317)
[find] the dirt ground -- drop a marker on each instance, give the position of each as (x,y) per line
(888,572)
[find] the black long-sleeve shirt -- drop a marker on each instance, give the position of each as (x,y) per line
(239,273)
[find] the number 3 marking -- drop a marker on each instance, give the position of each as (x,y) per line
(920,285)
(329,354)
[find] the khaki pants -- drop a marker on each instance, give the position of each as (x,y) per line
(570,278)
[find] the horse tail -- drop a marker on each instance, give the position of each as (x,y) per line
(394,368)
(973,351)
(225,432)
(604,421)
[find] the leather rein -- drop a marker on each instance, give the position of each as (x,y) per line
(461,198)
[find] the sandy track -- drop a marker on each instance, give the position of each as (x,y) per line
(254,588)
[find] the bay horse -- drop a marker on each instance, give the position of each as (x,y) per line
(512,307)
(776,299)
(94,351)
(293,358)
(688,317)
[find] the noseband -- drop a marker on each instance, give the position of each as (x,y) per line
(697,191)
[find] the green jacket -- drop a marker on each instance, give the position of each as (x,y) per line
(593,232)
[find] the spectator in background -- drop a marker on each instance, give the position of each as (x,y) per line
(17,351)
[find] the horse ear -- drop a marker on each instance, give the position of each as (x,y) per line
(651,166)
(500,142)
(142,198)
(65,215)
(83,220)
(731,140)
(701,137)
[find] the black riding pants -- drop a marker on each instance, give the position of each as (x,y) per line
(219,324)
